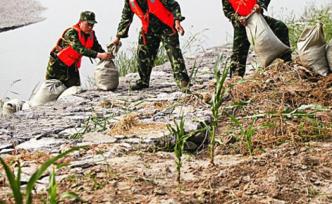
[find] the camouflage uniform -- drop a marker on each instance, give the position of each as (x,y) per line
(70,75)
(240,42)
(158,32)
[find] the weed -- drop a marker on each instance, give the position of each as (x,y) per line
(93,124)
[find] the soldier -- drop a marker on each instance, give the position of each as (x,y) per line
(161,23)
(75,42)
(240,42)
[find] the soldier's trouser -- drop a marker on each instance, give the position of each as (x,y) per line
(69,76)
(241,44)
(148,53)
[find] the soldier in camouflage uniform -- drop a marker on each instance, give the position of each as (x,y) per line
(157,32)
(69,75)
(240,42)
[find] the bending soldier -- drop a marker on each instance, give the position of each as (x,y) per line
(77,41)
(240,42)
(160,23)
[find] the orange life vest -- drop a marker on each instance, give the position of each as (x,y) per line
(69,55)
(243,7)
(156,8)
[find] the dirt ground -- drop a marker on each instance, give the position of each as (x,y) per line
(274,146)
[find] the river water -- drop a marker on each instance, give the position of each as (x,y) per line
(24,52)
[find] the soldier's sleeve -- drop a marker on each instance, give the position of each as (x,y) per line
(229,11)
(175,8)
(71,37)
(96,46)
(264,3)
(126,19)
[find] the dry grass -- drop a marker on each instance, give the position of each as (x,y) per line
(130,125)
(276,99)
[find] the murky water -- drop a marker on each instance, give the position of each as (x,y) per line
(24,52)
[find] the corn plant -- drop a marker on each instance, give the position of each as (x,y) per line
(246,133)
(53,188)
(15,181)
(181,138)
(216,102)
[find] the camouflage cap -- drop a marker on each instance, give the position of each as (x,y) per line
(88,16)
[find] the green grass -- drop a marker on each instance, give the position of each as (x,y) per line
(311,17)
(92,124)
(126,60)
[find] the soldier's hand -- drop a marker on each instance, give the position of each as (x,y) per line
(257,8)
(179,28)
(243,20)
(104,56)
(116,41)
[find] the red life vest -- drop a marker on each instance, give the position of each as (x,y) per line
(69,55)
(156,8)
(243,7)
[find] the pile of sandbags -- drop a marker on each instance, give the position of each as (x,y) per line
(50,90)
(312,49)
(265,43)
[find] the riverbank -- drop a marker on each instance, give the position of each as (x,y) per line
(128,156)
(15,14)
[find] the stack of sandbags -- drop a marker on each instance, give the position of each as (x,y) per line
(50,90)
(312,49)
(329,54)
(266,44)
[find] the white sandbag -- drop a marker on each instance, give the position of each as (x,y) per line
(26,106)
(266,44)
(107,75)
(312,49)
(71,91)
(12,106)
(48,91)
(329,54)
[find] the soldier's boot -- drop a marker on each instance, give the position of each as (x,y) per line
(139,85)
(184,86)
(287,57)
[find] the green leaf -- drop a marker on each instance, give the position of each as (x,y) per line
(70,196)
(39,172)
(14,185)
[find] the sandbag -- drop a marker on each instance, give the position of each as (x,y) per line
(312,49)
(48,91)
(329,54)
(107,75)
(71,91)
(265,43)
(12,106)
